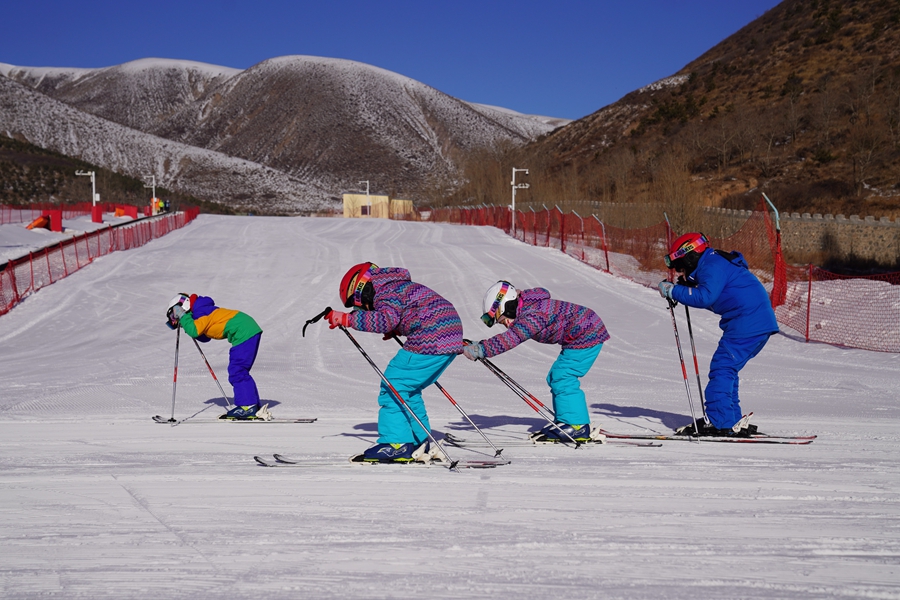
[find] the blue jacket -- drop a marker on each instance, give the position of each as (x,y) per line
(728,288)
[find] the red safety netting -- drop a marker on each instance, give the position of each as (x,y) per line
(30,273)
(858,312)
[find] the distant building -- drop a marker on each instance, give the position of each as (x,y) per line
(380,207)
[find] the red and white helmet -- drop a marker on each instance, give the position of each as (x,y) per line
(354,282)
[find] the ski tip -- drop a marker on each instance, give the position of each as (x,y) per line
(261,461)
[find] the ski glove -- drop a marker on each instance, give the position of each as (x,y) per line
(177,312)
(665,289)
(337,318)
(474,351)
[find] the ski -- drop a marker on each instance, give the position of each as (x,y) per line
(527,442)
(265,462)
(161,419)
(800,440)
(283,461)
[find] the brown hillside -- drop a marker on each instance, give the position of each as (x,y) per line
(803,103)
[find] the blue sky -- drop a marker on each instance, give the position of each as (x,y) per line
(566,58)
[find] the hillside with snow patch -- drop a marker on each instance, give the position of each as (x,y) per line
(328,122)
(32,116)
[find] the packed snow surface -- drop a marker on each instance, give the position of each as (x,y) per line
(98,501)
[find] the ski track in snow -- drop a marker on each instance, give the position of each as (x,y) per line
(98,501)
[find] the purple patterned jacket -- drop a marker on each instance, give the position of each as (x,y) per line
(429,322)
(548,322)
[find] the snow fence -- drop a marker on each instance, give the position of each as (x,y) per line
(857,312)
(23,276)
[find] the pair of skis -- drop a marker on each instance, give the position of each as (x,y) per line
(165,421)
(758,438)
(530,441)
(279,460)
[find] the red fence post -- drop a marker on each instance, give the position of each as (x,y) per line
(562,230)
(808,300)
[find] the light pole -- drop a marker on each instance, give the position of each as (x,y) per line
(520,186)
(152,185)
(368,199)
(90,174)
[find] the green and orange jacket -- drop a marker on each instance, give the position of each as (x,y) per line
(207,321)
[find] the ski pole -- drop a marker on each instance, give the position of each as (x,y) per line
(211,372)
(514,385)
(525,395)
(459,408)
(687,386)
(399,398)
(175,374)
(687,313)
(521,391)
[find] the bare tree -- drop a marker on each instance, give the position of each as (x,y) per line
(672,188)
(866,143)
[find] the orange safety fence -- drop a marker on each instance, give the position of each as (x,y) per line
(856,312)
(23,276)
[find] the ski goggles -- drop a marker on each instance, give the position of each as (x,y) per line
(361,282)
(490,317)
(699,243)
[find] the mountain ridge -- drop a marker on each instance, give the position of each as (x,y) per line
(328,123)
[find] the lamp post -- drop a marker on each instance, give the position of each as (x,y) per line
(368,199)
(92,175)
(520,186)
(152,185)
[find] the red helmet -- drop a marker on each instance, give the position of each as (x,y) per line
(353,283)
(689,245)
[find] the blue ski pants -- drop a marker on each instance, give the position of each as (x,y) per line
(409,373)
(240,361)
(569,403)
(722,404)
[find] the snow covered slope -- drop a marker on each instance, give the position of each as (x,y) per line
(97,501)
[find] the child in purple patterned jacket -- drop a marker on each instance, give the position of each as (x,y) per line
(531,314)
(390,303)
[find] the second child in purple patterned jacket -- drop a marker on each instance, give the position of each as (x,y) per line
(390,303)
(533,315)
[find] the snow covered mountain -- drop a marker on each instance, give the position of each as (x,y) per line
(30,115)
(328,122)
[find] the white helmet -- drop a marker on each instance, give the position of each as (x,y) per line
(182,300)
(495,302)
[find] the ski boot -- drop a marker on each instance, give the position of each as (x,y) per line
(703,429)
(253,412)
(387,453)
(562,432)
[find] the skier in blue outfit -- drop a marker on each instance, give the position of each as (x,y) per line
(722,282)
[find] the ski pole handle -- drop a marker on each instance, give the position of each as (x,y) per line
(315,319)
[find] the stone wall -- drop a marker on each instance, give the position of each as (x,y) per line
(819,238)
(806,238)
